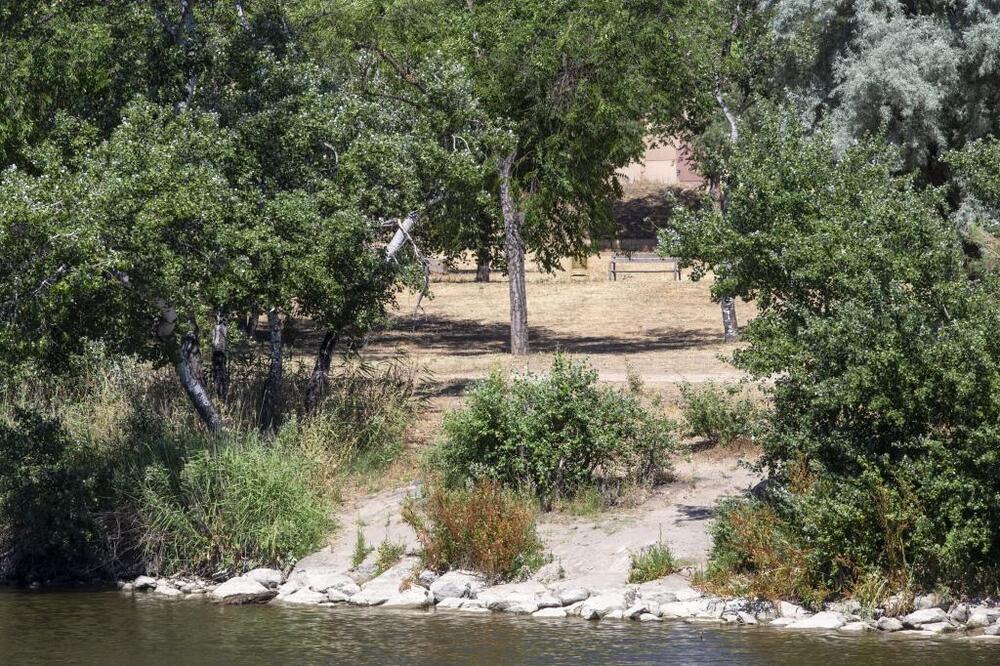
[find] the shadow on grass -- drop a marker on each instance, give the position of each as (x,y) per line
(469,337)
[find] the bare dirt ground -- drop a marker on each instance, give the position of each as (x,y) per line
(666,331)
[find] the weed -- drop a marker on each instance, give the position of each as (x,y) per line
(652,562)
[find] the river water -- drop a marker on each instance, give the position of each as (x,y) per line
(110,628)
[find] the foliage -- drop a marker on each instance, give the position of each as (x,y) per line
(49,503)
(718,414)
(243,505)
(883,355)
(363,418)
(485,528)
(756,554)
(387,555)
(555,434)
(650,563)
(925,71)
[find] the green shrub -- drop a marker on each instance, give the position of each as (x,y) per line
(244,505)
(361,548)
(718,414)
(652,562)
(485,528)
(48,502)
(555,434)
(881,441)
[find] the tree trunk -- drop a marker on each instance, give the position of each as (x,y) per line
(186,363)
(268,416)
(514,248)
(730,327)
(220,366)
(483,266)
(316,388)
(184,357)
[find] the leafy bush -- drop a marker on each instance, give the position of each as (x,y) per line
(244,505)
(718,414)
(486,528)
(882,444)
(48,503)
(555,434)
(652,562)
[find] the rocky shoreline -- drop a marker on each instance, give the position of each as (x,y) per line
(314,582)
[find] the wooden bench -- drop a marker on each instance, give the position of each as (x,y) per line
(614,267)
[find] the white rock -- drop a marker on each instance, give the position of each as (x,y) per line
(574,609)
(638,608)
(427,577)
(549,612)
(600,606)
(703,609)
(855,627)
(925,616)
(266,577)
(242,591)
(890,624)
(960,613)
(786,609)
(549,573)
(473,609)
(929,601)
(303,597)
(977,618)
(453,603)
(938,627)
(321,581)
(143,583)
(615,615)
(571,595)
(822,620)
(548,601)
(649,617)
(379,590)
(456,584)
(291,586)
(782,621)
(414,597)
(743,617)
(167,591)
(335,596)
(992,630)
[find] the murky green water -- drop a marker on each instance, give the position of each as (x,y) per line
(110,628)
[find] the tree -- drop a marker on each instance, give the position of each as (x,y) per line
(247,179)
(881,446)
(928,71)
(570,89)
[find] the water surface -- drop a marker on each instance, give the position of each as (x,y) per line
(110,628)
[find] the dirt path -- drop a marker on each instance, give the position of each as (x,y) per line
(593,551)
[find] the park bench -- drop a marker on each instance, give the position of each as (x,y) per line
(621,263)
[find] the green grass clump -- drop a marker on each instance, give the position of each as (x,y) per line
(652,562)
(244,505)
(388,555)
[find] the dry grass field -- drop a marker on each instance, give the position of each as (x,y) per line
(668,331)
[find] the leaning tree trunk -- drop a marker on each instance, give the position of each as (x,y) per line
(220,366)
(268,416)
(187,364)
(318,380)
(514,248)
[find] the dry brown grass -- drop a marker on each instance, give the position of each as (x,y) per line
(669,331)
